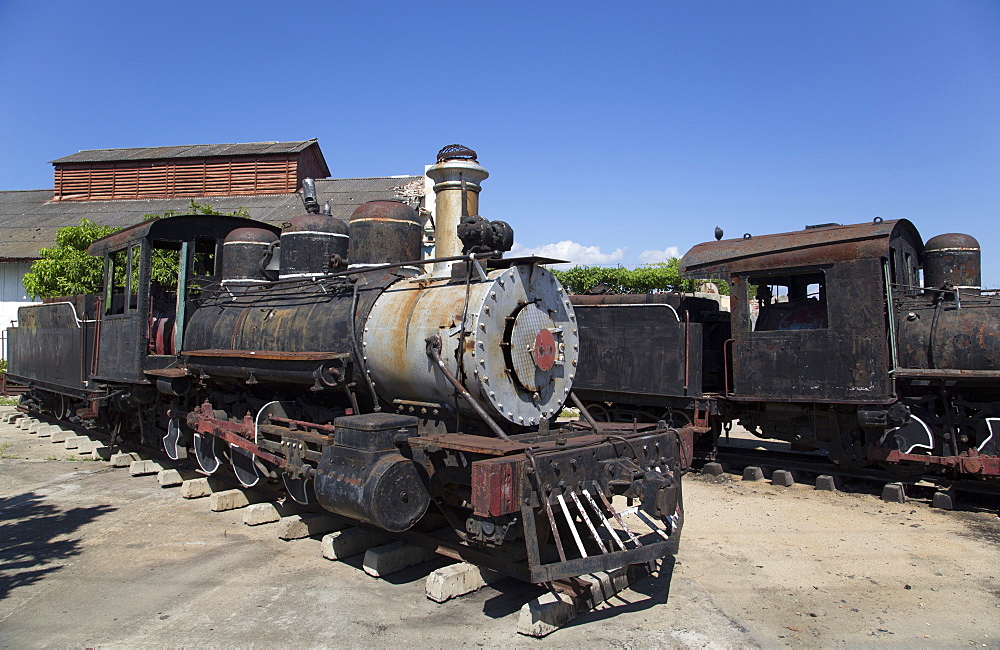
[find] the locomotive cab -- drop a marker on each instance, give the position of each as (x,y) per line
(811,324)
(151,272)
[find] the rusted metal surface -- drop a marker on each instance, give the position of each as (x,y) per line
(970,463)
(496,487)
(473,444)
(935,333)
(243,253)
(241,433)
(385,232)
(952,260)
(313,244)
(814,246)
(278,355)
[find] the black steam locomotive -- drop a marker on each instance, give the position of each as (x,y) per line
(832,343)
(324,356)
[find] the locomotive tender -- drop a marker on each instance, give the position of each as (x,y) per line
(832,343)
(324,356)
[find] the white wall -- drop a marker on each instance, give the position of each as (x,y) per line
(12,296)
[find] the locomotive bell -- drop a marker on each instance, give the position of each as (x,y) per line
(952,259)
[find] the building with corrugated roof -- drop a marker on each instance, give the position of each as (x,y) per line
(119,187)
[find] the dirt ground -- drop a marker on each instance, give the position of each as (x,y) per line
(90,556)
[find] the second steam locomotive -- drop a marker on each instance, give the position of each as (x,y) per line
(832,342)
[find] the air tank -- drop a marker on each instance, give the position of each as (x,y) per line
(313,245)
(952,259)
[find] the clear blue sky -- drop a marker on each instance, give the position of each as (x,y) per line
(621,128)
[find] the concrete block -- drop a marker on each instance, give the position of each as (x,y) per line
(50,430)
(229,500)
(61,436)
(10,418)
(144,467)
(260,513)
(25,423)
(894,493)
(102,452)
(825,482)
(301,526)
(944,499)
(782,477)
(714,469)
(546,614)
(73,442)
(457,580)
(169,478)
(753,473)
(124,459)
(351,541)
(383,560)
(552,610)
(199,487)
(36,426)
(87,446)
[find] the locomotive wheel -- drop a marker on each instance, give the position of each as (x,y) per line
(206,453)
(299,488)
(598,411)
(918,436)
(243,466)
(173,443)
(61,407)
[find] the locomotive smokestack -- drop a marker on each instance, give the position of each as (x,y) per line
(456,177)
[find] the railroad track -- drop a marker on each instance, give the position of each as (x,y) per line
(807,466)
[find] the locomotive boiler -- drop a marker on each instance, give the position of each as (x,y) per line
(416,396)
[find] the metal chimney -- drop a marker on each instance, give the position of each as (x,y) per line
(456,177)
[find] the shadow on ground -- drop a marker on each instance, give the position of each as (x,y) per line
(33,540)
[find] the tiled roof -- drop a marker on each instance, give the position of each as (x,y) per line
(29,219)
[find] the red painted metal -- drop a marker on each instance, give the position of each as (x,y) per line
(545,349)
(495,485)
(968,463)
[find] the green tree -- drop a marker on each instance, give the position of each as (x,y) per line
(67,268)
(648,278)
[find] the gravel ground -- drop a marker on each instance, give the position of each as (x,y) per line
(90,556)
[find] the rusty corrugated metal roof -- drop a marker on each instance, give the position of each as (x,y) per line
(185,151)
(821,245)
(29,219)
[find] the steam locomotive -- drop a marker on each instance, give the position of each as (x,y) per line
(832,343)
(322,355)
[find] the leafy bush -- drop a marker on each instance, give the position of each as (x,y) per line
(649,278)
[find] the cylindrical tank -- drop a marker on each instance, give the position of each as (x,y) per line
(312,245)
(953,259)
(457,177)
(243,255)
(384,232)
